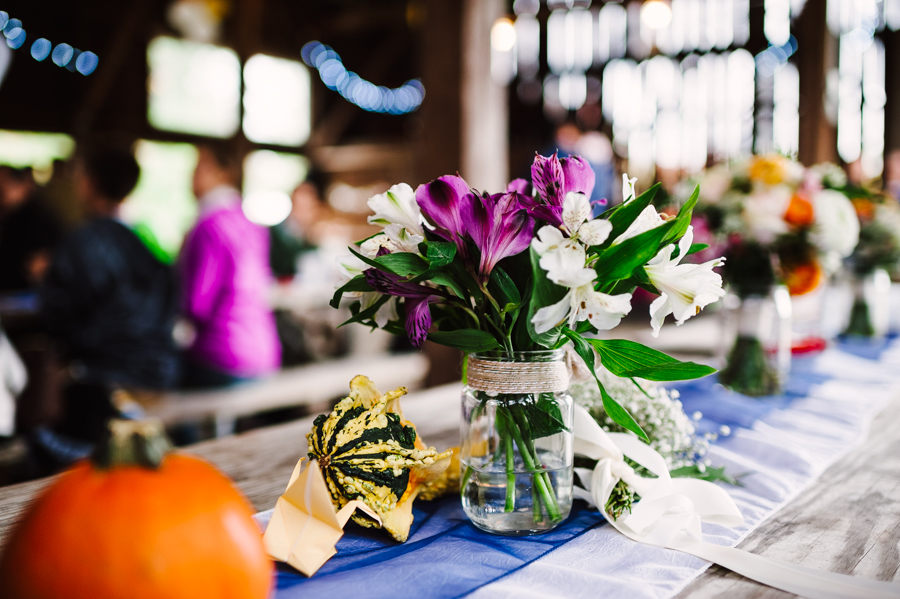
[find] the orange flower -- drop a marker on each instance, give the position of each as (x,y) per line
(803,278)
(800,212)
(768,169)
(865,208)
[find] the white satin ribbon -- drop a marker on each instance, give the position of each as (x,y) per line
(670,512)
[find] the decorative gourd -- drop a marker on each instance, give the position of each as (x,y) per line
(138,523)
(367,451)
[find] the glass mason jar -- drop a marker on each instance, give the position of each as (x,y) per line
(870,314)
(516,454)
(757,329)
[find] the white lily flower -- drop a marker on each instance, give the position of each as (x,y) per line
(685,288)
(837,227)
(575,216)
(397,206)
(627,188)
(648,219)
(584,303)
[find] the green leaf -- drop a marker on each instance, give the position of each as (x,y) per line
(468,340)
(440,253)
(628,359)
(448,281)
(503,288)
(708,474)
(403,264)
(683,220)
(679,371)
(356,284)
(544,293)
(620,261)
(615,411)
(366,314)
(697,247)
(626,214)
(544,418)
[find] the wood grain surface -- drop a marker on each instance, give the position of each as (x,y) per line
(848,521)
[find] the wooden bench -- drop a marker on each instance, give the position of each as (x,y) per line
(300,386)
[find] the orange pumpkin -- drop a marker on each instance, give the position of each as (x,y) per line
(138,523)
(803,278)
(800,212)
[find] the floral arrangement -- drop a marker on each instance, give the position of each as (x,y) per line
(661,415)
(777,222)
(529,269)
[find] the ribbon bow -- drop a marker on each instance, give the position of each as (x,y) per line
(671,511)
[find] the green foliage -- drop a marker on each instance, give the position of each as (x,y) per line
(468,340)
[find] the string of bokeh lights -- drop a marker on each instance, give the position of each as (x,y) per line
(368,96)
(62,55)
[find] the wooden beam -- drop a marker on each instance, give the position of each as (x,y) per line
(816,54)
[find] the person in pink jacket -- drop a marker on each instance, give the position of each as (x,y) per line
(225,278)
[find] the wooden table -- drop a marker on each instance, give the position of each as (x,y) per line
(848,521)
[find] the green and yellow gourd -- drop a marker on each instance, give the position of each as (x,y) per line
(367,451)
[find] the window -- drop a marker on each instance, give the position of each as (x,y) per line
(193,87)
(37,150)
(162,207)
(269,179)
(276,101)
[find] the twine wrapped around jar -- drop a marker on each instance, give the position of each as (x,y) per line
(497,376)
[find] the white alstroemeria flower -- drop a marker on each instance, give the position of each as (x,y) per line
(584,303)
(349,267)
(395,239)
(550,239)
(836,228)
(685,288)
(628,188)
(575,216)
(648,219)
(397,206)
(384,314)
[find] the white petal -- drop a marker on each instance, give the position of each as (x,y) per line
(837,227)
(565,266)
(370,247)
(659,309)
(684,244)
(646,220)
(402,240)
(349,266)
(606,311)
(548,237)
(595,232)
(397,206)
(576,210)
(689,287)
(549,316)
(386,313)
(627,187)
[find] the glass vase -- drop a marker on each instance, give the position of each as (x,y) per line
(516,454)
(758,333)
(870,312)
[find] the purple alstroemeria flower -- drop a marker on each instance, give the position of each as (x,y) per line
(441,203)
(499,225)
(522,186)
(553,179)
(416,300)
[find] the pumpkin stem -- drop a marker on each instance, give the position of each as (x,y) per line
(133,443)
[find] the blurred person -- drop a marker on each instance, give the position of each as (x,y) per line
(60,198)
(300,232)
(28,233)
(225,279)
(110,305)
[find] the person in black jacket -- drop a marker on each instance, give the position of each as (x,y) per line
(108,302)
